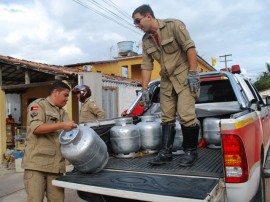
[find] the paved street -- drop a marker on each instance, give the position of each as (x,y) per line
(12,188)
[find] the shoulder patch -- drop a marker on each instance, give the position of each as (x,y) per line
(182,27)
(34,108)
(33,114)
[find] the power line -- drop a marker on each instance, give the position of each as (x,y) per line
(104,15)
(111,12)
(118,8)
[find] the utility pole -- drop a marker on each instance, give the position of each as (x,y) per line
(225,59)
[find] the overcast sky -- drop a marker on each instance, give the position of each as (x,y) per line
(61,32)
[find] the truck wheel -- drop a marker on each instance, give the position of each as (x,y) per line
(101,198)
(90,197)
(260,195)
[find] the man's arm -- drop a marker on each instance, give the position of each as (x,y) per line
(186,43)
(192,59)
(52,127)
(146,77)
(193,78)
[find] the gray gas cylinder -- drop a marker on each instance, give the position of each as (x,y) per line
(125,138)
(178,139)
(150,134)
(84,149)
(211,132)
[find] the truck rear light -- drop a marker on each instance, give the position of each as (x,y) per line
(235,161)
(234,171)
(232,160)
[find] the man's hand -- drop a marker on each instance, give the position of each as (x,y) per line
(69,125)
(193,79)
(145,97)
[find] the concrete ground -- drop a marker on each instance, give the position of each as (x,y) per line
(12,187)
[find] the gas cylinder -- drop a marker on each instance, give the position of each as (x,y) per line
(211,132)
(125,138)
(83,148)
(150,134)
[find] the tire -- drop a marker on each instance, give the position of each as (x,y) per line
(260,195)
(90,197)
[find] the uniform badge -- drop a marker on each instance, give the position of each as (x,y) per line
(182,27)
(33,114)
(34,108)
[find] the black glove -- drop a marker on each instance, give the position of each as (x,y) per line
(193,79)
(145,97)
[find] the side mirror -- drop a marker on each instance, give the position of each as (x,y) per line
(267,100)
(257,105)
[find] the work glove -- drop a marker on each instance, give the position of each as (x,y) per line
(145,97)
(193,80)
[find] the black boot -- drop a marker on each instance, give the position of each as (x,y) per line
(190,142)
(165,154)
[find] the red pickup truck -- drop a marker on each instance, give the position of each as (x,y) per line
(235,124)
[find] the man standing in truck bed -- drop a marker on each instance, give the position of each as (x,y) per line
(168,42)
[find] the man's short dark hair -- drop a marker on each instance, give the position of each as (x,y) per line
(143,10)
(58,85)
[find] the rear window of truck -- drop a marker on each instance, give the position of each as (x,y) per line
(216,91)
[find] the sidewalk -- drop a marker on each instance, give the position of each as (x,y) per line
(12,187)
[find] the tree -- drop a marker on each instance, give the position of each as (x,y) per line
(263,81)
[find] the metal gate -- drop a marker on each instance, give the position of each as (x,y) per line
(110,102)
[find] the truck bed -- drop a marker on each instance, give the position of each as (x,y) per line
(168,182)
(209,164)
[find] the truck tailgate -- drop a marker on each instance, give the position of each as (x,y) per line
(136,179)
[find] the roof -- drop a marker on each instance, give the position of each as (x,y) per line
(14,72)
(18,75)
(205,63)
(121,79)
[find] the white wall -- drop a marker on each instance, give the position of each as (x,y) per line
(13,106)
(127,95)
(94,81)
